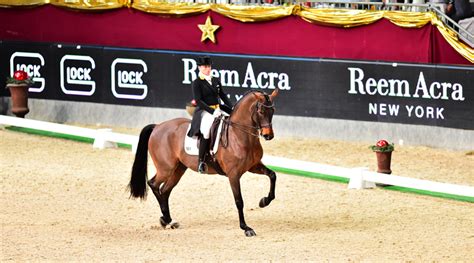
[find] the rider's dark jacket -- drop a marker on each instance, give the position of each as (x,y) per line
(207,96)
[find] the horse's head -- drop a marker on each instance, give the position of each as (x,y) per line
(264,113)
(255,112)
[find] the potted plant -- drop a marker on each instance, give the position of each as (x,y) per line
(383,151)
(190,107)
(18,85)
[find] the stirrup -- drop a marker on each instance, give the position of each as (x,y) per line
(202,168)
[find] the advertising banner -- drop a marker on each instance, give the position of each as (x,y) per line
(420,94)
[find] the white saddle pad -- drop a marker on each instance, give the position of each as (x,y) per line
(190,144)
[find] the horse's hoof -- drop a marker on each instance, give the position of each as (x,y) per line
(264,202)
(250,233)
(174,225)
(163,222)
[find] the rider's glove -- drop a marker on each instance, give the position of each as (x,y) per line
(216,113)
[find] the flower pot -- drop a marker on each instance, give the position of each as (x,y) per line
(19,95)
(190,109)
(383,162)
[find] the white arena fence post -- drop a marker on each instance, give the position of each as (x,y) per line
(357,180)
(100,140)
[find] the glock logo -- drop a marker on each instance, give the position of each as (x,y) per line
(127,82)
(31,63)
(75,75)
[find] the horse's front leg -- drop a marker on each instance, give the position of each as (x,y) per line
(239,202)
(260,168)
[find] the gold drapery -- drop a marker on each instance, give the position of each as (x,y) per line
(236,12)
(253,13)
(328,17)
(339,17)
(170,9)
(352,18)
(73,4)
(409,19)
(452,38)
(91,4)
(22,3)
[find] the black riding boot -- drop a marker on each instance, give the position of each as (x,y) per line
(203,149)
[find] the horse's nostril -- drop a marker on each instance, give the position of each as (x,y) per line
(268,137)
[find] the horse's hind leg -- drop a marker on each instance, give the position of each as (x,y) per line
(260,168)
(161,185)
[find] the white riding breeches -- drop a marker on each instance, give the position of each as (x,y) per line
(206,122)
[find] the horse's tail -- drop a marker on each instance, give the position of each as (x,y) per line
(138,180)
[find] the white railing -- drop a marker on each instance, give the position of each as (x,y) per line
(359,178)
(102,137)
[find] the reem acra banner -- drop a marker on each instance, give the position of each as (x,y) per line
(419,94)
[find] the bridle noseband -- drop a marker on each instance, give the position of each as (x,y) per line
(258,108)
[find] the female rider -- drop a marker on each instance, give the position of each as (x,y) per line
(207,92)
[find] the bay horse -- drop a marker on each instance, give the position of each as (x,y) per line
(241,152)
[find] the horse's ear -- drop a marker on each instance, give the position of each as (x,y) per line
(274,93)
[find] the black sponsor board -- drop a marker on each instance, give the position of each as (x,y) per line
(434,95)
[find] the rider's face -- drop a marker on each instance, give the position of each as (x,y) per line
(205,69)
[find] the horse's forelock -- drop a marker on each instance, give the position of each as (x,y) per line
(267,98)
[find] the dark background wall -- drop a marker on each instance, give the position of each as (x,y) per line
(432,95)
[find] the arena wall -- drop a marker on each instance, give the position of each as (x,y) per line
(285,126)
(418,104)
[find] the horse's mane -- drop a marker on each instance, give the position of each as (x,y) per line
(236,106)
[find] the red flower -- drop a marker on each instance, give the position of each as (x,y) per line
(382,143)
(20,75)
(194,103)
(382,146)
